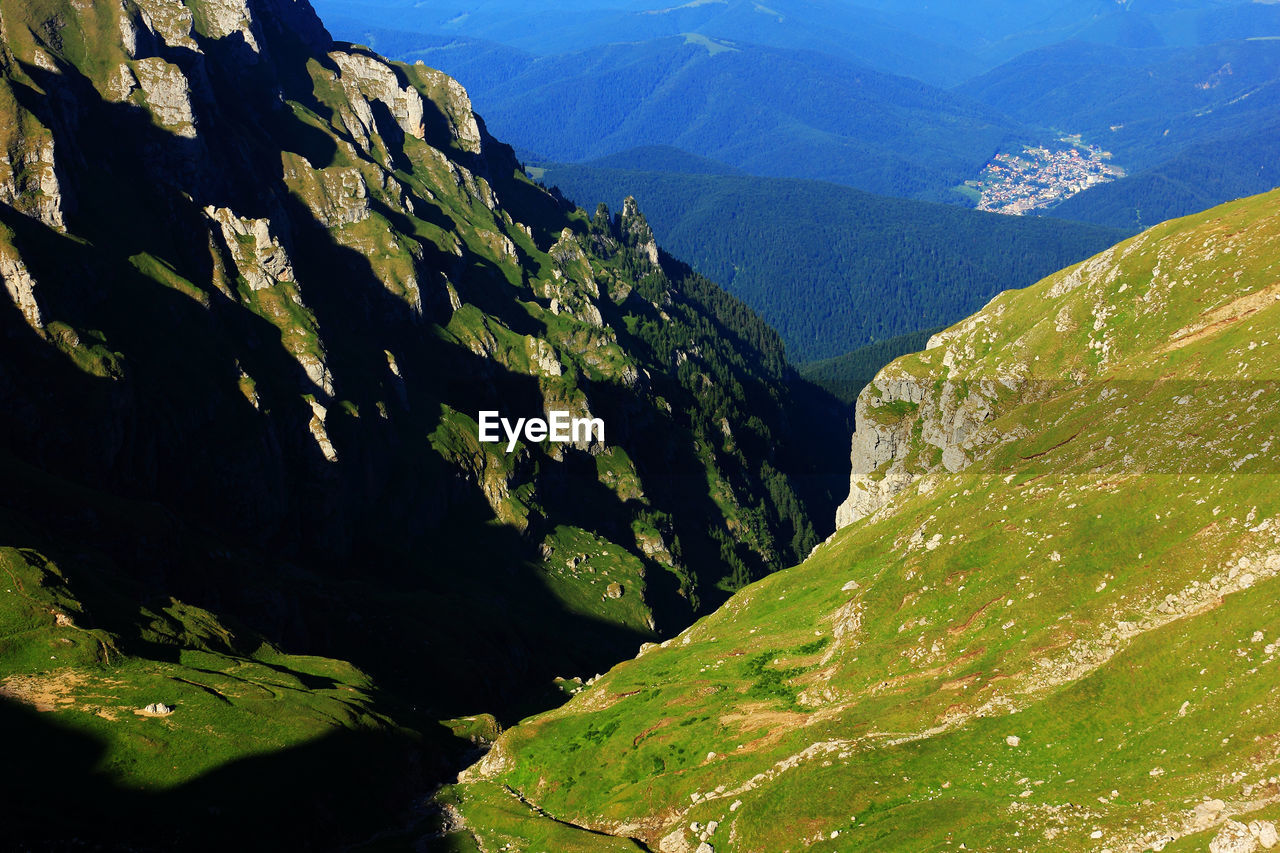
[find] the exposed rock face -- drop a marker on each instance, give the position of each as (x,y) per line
(171,20)
(128,31)
(369,80)
(1265,832)
(463,124)
(122,84)
(637,228)
(1234,837)
(29,178)
(168,93)
(21,287)
(544,357)
(336,195)
(906,427)
(318,415)
(257,253)
(224,17)
(316,369)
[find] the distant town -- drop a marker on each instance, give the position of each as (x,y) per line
(1041,177)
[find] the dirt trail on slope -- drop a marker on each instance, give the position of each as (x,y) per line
(1217,319)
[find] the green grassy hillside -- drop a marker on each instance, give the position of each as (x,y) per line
(1047,624)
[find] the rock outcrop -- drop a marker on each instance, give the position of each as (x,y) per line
(1237,837)
(368,80)
(906,428)
(257,253)
(21,287)
(637,230)
(29,174)
(168,94)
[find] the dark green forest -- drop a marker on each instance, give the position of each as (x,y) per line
(832,268)
(1195,180)
(846,375)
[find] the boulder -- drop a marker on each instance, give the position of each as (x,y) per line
(1265,832)
(1234,837)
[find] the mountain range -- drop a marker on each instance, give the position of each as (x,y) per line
(781,112)
(1179,95)
(942,44)
(1145,80)
(268,584)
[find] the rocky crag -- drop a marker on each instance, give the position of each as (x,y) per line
(1047,623)
(257,287)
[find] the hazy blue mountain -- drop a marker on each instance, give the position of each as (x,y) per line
(939,42)
(830,267)
(769,111)
(1146,105)
(932,49)
(486,64)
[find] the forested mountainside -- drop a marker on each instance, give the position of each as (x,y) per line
(942,43)
(1146,105)
(833,268)
(1047,623)
(257,288)
(844,376)
(780,112)
(1199,177)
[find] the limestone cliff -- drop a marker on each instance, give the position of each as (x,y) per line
(939,410)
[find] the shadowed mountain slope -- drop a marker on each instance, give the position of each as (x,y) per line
(258,287)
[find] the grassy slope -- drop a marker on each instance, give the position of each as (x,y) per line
(1098,585)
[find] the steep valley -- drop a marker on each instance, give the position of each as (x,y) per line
(1047,621)
(264,586)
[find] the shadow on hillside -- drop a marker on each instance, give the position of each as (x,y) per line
(164,481)
(58,795)
(163,478)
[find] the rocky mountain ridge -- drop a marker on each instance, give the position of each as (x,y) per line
(258,286)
